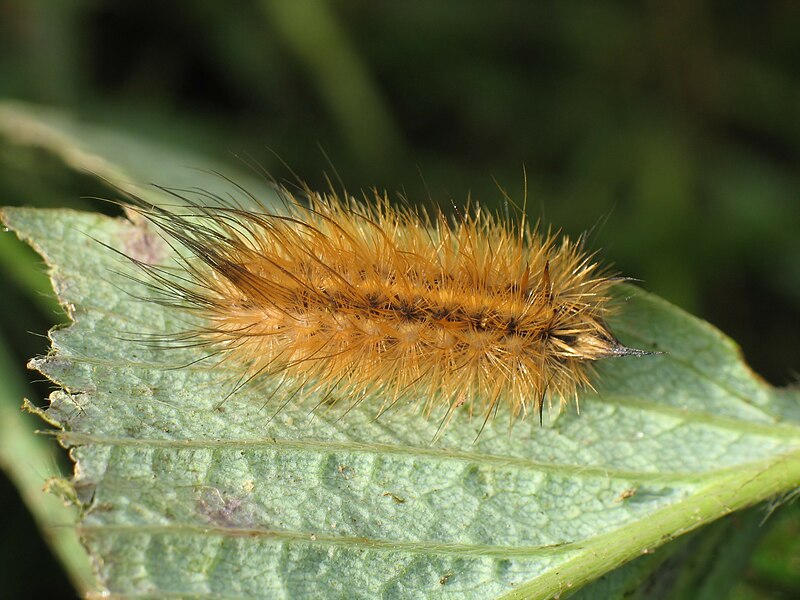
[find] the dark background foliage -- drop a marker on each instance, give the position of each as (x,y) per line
(671,129)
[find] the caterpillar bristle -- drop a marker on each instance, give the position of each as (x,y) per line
(356,300)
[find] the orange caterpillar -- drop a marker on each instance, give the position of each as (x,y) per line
(370,300)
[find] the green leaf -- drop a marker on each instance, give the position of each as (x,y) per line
(183,496)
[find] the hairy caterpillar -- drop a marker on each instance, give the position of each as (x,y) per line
(357,300)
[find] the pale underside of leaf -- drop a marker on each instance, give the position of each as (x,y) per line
(189,497)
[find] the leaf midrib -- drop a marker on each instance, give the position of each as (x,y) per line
(746,486)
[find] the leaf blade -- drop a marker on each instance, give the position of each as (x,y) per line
(524,513)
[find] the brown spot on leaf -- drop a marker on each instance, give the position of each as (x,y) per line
(143,244)
(224,510)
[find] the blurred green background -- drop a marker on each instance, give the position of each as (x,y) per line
(670,129)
